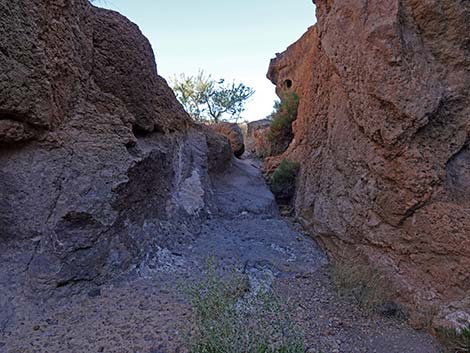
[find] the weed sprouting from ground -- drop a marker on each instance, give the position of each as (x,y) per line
(366,285)
(455,341)
(228,318)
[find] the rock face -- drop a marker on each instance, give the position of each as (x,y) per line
(254,126)
(234,134)
(256,140)
(220,151)
(383,135)
(99,163)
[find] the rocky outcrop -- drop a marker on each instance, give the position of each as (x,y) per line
(99,163)
(256,138)
(383,137)
(220,152)
(234,134)
(254,126)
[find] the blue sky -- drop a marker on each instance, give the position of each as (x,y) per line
(227,39)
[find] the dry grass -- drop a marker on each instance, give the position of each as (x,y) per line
(227,319)
(362,283)
(453,341)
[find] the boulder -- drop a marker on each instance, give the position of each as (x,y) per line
(220,152)
(254,126)
(383,139)
(256,139)
(235,135)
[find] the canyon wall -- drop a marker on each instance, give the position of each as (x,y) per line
(383,137)
(99,163)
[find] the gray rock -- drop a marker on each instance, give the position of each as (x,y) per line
(99,163)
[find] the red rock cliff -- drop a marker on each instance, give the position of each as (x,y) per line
(383,136)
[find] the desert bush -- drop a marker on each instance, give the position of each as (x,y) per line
(455,341)
(229,319)
(283,180)
(364,284)
(209,100)
(280,130)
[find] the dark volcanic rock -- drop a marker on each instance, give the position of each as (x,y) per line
(132,76)
(99,163)
(382,135)
(220,151)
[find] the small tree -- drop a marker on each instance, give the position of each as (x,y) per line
(208,100)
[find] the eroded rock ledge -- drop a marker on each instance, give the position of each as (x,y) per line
(383,137)
(99,163)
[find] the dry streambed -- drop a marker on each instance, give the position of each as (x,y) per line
(144,311)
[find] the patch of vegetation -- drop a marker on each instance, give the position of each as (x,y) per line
(365,285)
(280,130)
(209,100)
(455,341)
(283,180)
(229,319)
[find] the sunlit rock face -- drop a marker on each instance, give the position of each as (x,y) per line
(234,134)
(256,137)
(383,137)
(96,155)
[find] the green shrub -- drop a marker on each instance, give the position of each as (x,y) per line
(283,180)
(228,319)
(280,130)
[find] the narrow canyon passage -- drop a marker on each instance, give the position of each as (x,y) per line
(144,310)
(116,189)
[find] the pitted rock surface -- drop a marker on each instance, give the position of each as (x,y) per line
(96,154)
(382,135)
(110,196)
